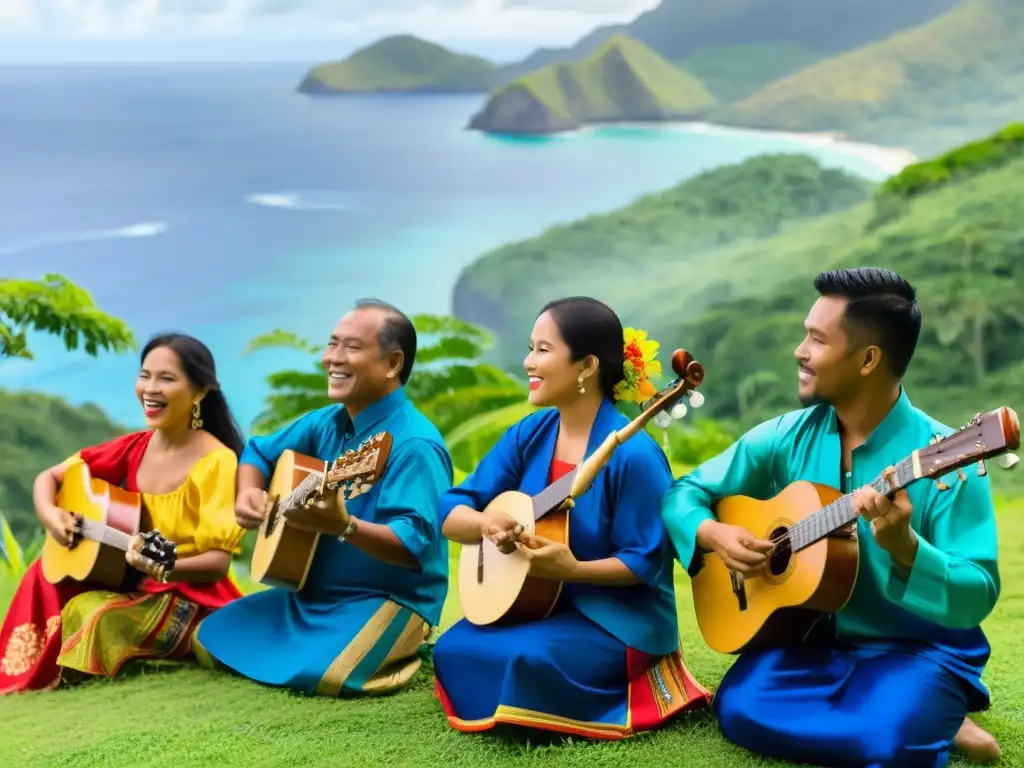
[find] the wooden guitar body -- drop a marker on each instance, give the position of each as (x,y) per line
(96,501)
(786,599)
(502,591)
(283,554)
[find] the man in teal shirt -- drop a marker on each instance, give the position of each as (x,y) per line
(890,679)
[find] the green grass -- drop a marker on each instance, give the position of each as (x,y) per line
(200,718)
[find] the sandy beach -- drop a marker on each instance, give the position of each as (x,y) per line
(892,160)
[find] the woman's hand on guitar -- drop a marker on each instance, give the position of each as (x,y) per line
(501,529)
(739,548)
(250,508)
(60,524)
(154,570)
(548,559)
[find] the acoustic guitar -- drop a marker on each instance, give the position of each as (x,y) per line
(813,569)
(496,588)
(107,518)
(283,553)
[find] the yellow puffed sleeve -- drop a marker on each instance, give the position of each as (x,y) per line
(212,497)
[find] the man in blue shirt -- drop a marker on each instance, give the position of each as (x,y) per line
(379,577)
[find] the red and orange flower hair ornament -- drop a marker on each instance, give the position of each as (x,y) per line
(640,366)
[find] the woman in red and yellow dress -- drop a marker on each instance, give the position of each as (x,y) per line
(184,466)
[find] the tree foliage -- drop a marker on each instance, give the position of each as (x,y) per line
(58,307)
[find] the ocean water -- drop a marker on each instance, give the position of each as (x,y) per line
(215,200)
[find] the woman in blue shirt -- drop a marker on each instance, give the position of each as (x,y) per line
(606,663)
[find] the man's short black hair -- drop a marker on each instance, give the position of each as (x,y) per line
(881,306)
(397,332)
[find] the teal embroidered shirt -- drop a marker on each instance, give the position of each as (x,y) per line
(954,582)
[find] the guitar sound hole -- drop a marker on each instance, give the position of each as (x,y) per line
(779,560)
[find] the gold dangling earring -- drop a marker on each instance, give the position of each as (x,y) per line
(196,421)
(580,388)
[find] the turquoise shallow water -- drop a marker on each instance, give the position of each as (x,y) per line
(215,200)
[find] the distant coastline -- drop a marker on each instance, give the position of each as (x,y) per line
(892,160)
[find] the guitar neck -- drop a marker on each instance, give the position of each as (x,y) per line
(104,534)
(552,497)
(575,483)
(842,512)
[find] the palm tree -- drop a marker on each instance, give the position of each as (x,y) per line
(471,402)
(58,307)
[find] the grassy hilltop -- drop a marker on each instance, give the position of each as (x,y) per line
(622,80)
(962,73)
(402,64)
(784,34)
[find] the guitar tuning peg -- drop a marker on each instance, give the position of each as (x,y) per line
(678,410)
(662,420)
(1008,460)
(960,475)
(982,471)
(696,399)
(941,485)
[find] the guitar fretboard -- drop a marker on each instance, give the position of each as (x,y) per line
(841,511)
(548,499)
(104,534)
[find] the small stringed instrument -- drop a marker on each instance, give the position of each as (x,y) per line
(495,587)
(812,572)
(107,518)
(283,553)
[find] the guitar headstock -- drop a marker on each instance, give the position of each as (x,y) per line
(667,404)
(984,436)
(160,550)
(359,469)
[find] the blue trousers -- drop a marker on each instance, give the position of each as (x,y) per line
(842,706)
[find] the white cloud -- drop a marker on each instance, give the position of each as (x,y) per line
(540,21)
(17,14)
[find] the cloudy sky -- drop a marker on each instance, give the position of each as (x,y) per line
(299,30)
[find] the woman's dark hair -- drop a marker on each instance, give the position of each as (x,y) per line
(590,327)
(197,360)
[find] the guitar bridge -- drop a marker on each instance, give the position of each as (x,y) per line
(480,564)
(739,588)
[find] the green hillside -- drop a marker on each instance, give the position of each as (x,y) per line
(648,259)
(679,29)
(733,72)
(622,81)
(928,88)
(402,63)
(37,431)
(728,276)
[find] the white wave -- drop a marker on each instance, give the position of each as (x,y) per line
(141,229)
(311,200)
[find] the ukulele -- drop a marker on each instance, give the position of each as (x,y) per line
(495,587)
(812,572)
(283,553)
(107,520)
